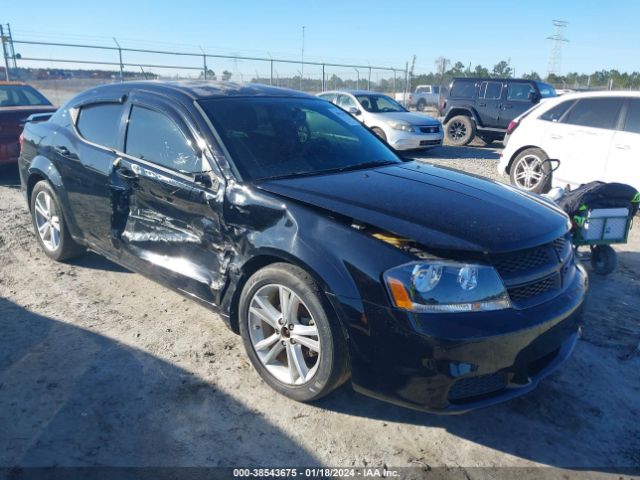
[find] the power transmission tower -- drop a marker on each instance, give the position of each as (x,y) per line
(558,38)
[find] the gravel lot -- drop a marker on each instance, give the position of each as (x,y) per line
(100,366)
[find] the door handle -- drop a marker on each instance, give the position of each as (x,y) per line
(123,172)
(620,146)
(482,104)
(555,136)
(62,150)
(507,106)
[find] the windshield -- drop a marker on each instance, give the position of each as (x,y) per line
(21,96)
(546,90)
(281,137)
(379,104)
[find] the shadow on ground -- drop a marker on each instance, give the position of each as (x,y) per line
(69,397)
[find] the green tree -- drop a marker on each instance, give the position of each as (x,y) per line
(502,69)
(480,71)
(226,75)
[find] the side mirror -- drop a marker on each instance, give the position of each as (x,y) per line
(354,111)
(534,97)
(203,179)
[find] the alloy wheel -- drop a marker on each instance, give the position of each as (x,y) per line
(47,221)
(284,334)
(457,130)
(529,172)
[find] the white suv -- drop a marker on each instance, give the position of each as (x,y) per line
(595,136)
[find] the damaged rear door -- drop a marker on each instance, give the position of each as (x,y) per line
(167,202)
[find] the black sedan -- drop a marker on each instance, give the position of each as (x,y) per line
(330,255)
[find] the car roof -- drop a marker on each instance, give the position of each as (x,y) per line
(190,89)
(600,93)
(490,79)
(353,92)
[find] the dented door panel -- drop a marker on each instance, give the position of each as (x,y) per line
(168,225)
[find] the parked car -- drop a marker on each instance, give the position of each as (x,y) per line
(388,119)
(595,136)
(330,255)
(17,102)
(485,106)
(424,96)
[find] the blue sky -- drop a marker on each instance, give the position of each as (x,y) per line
(602,34)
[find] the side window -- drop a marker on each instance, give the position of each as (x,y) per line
(519,91)
(632,124)
(595,112)
(490,90)
(554,114)
(155,137)
(346,102)
(328,96)
(100,123)
(463,89)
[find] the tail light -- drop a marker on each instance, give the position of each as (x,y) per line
(512,126)
(21,140)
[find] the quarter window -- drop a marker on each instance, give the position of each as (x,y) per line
(463,89)
(100,123)
(155,137)
(632,124)
(554,114)
(490,90)
(595,112)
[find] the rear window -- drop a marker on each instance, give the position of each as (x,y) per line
(21,96)
(463,89)
(100,123)
(595,112)
(632,124)
(546,90)
(554,114)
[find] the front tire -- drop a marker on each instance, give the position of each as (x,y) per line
(460,130)
(50,225)
(531,171)
(290,335)
(379,133)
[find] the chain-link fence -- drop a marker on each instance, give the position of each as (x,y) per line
(60,70)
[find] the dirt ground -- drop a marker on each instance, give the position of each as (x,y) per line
(100,366)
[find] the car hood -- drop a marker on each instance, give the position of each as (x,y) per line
(412,118)
(437,207)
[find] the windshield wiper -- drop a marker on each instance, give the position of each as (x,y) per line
(357,166)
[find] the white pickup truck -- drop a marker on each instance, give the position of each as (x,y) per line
(424,96)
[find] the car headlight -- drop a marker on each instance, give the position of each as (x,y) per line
(397,125)
(447,287)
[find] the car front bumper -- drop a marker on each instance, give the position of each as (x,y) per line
(448,365)
(400,140)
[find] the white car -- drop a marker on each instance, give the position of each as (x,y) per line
(595,136)
(388,119)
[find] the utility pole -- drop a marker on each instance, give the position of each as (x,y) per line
(302,59)
(120,56)
(558,39)
(4,41)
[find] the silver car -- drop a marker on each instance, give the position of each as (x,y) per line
(388,119)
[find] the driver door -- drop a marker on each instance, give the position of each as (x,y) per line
(166,214)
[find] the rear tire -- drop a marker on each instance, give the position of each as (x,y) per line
(460,130)
(603,259)
(50,225)
(301,352)
(531,171)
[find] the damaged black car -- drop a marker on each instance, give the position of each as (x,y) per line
(331,256)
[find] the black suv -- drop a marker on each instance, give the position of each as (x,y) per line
(485,106)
